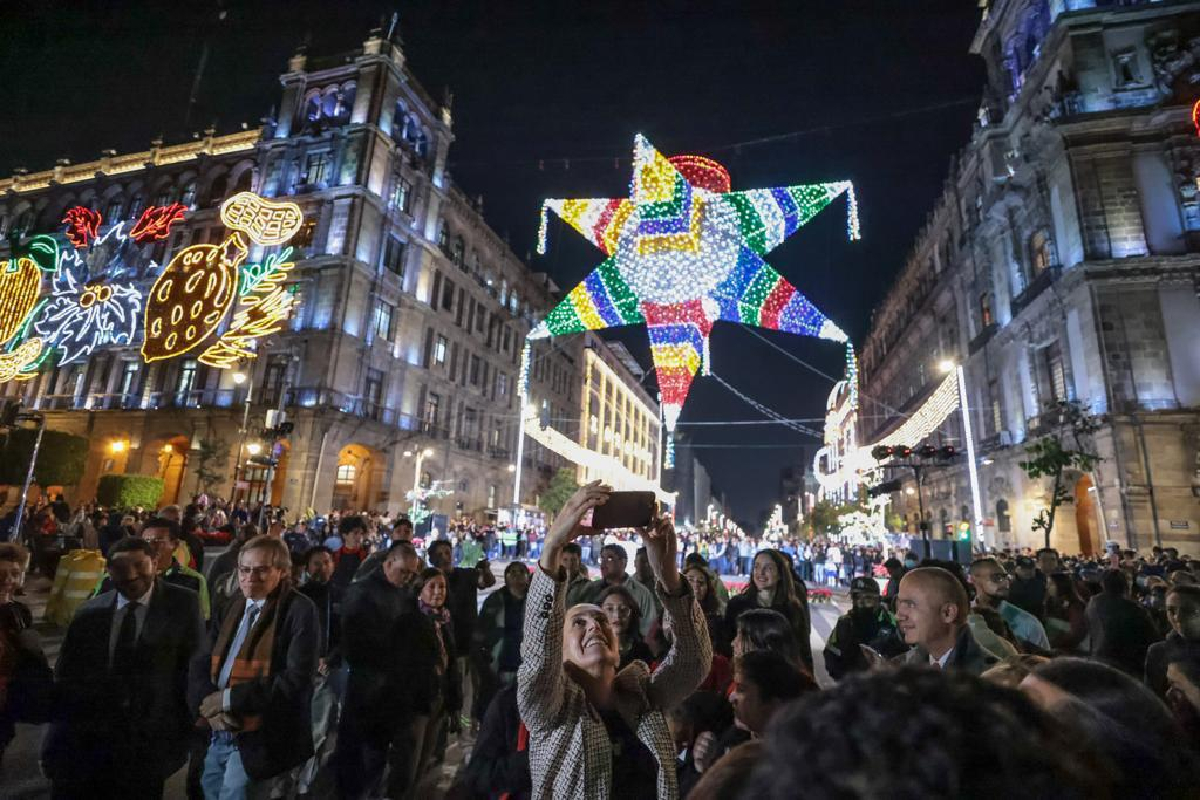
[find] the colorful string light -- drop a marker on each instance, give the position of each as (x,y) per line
(266,222)
(683,253)
(155,222)
(82,225)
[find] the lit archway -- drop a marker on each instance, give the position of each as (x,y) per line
(172,462)
(1085,516)
(353,478)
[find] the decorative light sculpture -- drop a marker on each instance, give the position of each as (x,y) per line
(685,252)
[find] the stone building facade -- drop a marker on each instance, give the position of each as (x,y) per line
(1062,263)
(409,325)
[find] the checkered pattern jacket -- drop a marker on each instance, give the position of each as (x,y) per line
(570,755)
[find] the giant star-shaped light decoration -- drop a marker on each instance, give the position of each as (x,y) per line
(684,252)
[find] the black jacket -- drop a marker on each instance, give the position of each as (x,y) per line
(100,721)
(1161,654)
(283,698)
(1121,632)
(30,688)
(797,615)
(327,597)
(496,767)
(842,652)
(391,649)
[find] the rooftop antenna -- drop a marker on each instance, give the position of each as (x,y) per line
(193,97)
(392,24)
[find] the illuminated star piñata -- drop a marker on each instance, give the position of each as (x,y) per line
(684,252)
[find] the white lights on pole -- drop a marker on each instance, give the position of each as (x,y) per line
(977,503)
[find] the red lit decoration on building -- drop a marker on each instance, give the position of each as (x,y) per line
(82,225)
(156,222)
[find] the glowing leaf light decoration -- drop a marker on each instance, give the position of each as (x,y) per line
(685,252)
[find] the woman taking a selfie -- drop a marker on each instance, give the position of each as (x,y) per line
(596,732)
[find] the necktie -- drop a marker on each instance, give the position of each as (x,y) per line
(236,647)
(125,651)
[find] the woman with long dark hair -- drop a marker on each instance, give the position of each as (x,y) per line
(771,586)
(431,599)
(704,588)
(623,615)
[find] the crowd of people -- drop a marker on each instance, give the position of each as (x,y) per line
(339,657)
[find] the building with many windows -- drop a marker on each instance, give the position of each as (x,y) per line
(1062,264)
(410,319)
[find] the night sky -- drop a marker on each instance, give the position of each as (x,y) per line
(547,98)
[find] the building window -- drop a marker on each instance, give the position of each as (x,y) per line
(442,236)
(474,370)
(431,412)
(113,212)
(402,195)
(373,392)
(273,379)
(187,380)
(501,384)
(1051,373)
(1125,65)
(188,198)
(458,252)
(393,256)
(318,167)
(302,239)
(439,350)
(385,320)
(1041,252)
(346,474)
(480,316)
(163,197)
(447,294)
(1003,521)
(491,495)
(985,309)
(128,381)
(507,338)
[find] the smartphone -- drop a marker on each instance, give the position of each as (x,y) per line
(626,510)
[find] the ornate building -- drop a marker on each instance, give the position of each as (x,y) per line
(406,336)
(1061,264)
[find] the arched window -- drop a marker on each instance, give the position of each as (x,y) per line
(112,212)
(346,100)
(329,105)
(458,250)
(164,196)
(23,224)
(188,196)
(312,107)
(1041,252)
(244,181)
(346,474)
(443,235)
(218,188)
(1003,521)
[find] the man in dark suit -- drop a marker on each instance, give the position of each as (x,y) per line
(252,681)
(1121,630)
(121,720)
(391,654)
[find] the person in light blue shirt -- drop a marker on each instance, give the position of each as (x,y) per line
(991,590)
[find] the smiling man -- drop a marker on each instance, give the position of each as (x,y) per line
(992,585)
(931,613)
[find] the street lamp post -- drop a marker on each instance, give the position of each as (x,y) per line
(239,378)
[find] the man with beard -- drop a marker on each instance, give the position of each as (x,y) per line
(992,585)
(867,623)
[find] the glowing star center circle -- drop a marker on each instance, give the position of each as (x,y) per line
(702,259)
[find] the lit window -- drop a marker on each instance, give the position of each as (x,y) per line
(346,474)
(439,350)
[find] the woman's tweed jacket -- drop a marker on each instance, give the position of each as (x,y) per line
(570,754)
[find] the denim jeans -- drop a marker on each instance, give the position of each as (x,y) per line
(224,777)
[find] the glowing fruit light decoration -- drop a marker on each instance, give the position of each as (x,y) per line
(194,294)
(685,252)
(20,285)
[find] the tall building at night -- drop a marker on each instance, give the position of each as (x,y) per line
(1062,263)
(407,331)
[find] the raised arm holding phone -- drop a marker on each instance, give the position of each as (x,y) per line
(596,732)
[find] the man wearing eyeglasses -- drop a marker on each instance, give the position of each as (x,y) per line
(992,585)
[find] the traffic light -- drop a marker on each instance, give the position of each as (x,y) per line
(881,452)
(887,487)
(948,451)
(903,451)
(964,531)
(927,451)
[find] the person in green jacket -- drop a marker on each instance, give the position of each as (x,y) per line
(163,534)
(471,551)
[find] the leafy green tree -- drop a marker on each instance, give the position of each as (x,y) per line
(561,487)
(61,459)
(209,455)
(127,491)
(1049,458)
(824,518)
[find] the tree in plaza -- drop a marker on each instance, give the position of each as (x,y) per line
(824,518)
(208,455)
(61,458)
(1049,458)
(561,487)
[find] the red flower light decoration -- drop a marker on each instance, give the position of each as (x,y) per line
(1196,117)
(82,225)
(156,221)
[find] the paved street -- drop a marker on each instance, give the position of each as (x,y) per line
(21,778)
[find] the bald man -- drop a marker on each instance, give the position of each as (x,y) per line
(931,613)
